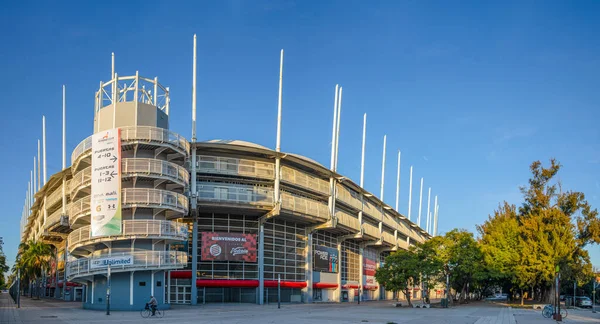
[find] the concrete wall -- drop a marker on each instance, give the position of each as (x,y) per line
(147,115)
(120,298)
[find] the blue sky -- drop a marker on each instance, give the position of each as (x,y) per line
(471,93)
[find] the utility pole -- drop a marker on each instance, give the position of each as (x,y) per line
(595,286)
(278,291)
(107,291)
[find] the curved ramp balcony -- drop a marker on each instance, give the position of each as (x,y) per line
(303,180)
(389,238)
(349,197)
(234,195)
(132,229)
(347,220)
(235,167)
(135,167)
(144,135)
(304,207)
(371,230)
(56,196)
(174,203)
(139,261)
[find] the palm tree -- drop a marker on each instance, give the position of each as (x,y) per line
(35,260)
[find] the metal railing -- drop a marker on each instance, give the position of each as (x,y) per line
(147,134)
(78,209)
(304,180)
(349,197)
(155,198)
(142,260)
(371,230)
(136,166)
(233,193)
(347,220)
(233,166)
(140,228)
(152,198)
(304,206)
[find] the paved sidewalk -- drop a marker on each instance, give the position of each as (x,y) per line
(527,316)
(8,310)
(50,311)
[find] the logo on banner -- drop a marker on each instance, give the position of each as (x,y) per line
(125,260)
(215,250)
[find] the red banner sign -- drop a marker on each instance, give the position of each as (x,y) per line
(369,267)
(218,246)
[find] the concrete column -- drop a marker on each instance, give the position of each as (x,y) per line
(339,274)
(56,288)
(194,295)
(131,288)
(261,264)
(309,269)
(361,270)
(168,287)
(152,283)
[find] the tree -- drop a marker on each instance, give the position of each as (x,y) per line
(460,254)
(401,268)
(555,226)
(35,260)
(501,246)
(3,267)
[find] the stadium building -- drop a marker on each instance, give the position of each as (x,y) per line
(144,211)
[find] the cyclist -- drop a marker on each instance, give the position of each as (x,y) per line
(153,303)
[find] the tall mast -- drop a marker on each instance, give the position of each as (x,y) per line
(383,168)
(362,156)
(410,192)
(398,182)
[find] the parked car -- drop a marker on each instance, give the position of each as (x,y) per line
(562,297)
(583,302)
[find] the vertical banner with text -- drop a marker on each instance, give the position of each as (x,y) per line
(106,183)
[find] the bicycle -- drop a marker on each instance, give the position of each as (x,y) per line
(549,310)
(147,311)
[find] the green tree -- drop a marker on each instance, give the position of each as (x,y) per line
(35,261)
(555,227)
(501,246)
(3,268)
(400,271)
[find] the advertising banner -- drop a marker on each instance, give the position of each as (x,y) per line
(60,256)
(369,269)
(106,183)
(116,261)
(325,259)
(217,246)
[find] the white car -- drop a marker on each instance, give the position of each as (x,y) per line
(583,302)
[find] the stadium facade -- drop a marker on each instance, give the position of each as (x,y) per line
(145,211)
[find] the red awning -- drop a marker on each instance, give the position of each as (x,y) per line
(181,274)
(246,283)
(350,286)
(325,285)
(370,287)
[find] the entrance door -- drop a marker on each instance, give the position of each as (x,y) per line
(78,294)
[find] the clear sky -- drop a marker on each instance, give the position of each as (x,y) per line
(470,92)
